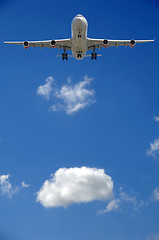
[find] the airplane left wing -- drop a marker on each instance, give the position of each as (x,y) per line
(62,43)
(98,43)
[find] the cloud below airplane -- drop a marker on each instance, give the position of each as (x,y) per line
(70,98)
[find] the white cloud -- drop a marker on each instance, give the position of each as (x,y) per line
(70,97)
(113,205)
(123,200)
(46,89)
(127,198)
(24,185)
(156,194)
(6,187)
(75,185)
(154,148)
(156,119)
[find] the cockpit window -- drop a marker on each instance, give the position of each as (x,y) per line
(79,15)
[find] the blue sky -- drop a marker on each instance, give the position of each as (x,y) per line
(115,129)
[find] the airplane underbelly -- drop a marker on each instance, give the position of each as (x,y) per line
(79,48)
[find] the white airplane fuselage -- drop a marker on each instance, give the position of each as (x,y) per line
(79,37)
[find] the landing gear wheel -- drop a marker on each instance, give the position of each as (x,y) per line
(93,55)
(64,56)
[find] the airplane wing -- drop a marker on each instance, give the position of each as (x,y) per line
(62,43)
(98,43)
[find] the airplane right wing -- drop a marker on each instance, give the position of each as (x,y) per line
(98,43)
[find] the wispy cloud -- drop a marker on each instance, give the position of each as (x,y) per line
(122,201)
(156,118)
(24,185)
(113,205)
(154,148)
(46,89)
(155,194)
(75,185)
(70,97)
(7,189)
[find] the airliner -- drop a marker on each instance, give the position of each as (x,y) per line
(79,43)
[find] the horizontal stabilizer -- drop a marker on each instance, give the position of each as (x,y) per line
(61,55)
(98,55)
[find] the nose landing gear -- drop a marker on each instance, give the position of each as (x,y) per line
(79,54)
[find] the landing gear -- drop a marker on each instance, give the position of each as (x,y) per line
(64,55)
(94,55)
(79,54)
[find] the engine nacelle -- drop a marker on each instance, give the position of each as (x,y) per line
(53,43)
(132,43)
(26,45)
(105,43)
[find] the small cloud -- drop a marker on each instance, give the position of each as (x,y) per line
(70,97)
(46,89)
(113,205)
(123,200)
(75,185)
(127,198)
(156,119)
(155,194)
(24,185)
(6,187)
(154,148)
(69,80)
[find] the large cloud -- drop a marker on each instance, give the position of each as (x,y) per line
(75,185)
(70,97)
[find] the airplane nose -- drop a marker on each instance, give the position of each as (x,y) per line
(79,16)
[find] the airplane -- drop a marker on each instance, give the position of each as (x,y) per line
(79,43)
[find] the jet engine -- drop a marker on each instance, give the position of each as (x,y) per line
(26,45)
(105,43)
(132,43)
(53,43)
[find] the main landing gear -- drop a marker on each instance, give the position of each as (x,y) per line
(94,55)
(64,55)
